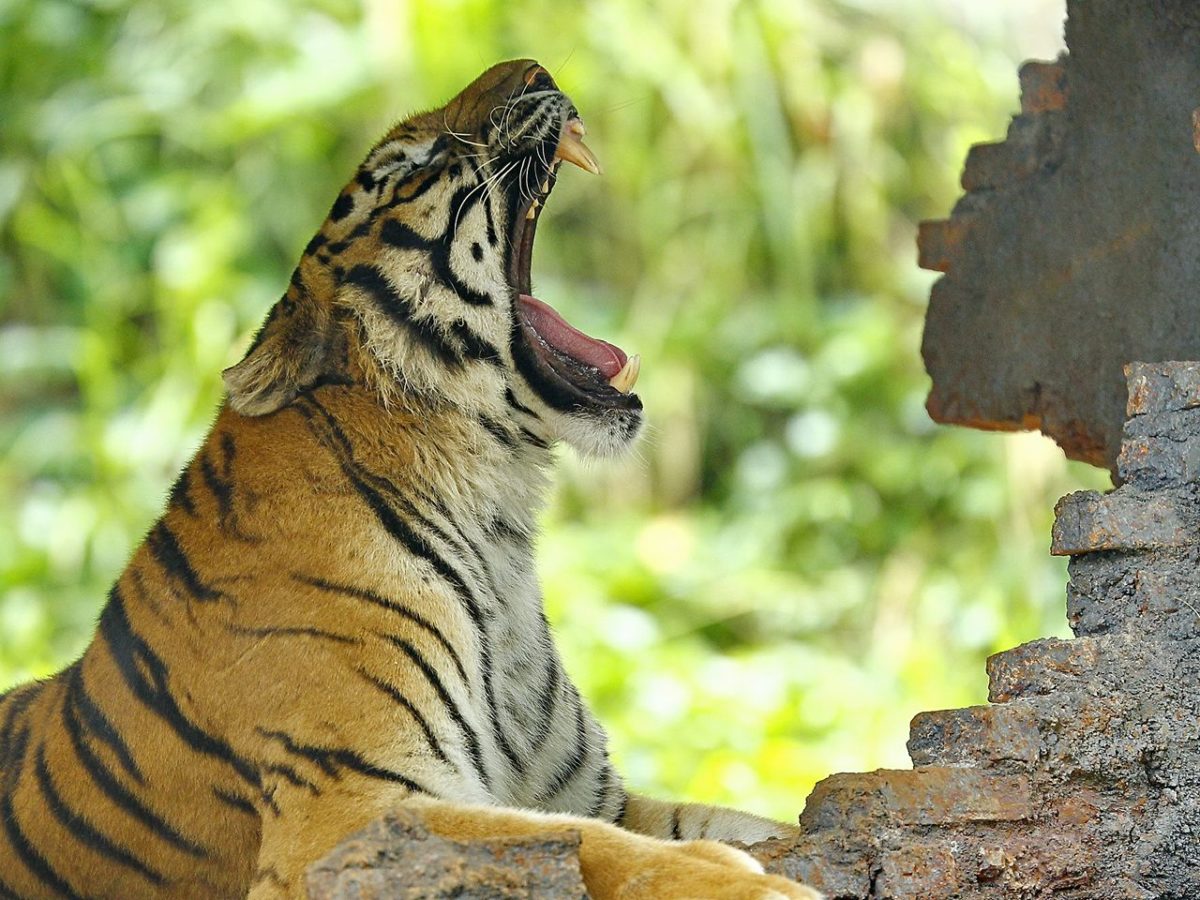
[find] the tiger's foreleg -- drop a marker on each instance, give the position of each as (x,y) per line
(618,864)
(695,821)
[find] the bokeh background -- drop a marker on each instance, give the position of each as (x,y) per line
(795,562)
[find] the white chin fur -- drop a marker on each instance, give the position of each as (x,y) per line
(602,435)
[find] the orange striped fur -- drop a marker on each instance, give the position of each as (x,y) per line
(338,611)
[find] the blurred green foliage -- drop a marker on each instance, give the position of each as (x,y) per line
(796,562)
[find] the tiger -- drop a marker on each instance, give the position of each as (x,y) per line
(338,613)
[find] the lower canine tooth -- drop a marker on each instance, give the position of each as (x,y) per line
(624,380)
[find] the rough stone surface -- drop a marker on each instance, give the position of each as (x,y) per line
(396,858)
(1083,779)
(1077,245)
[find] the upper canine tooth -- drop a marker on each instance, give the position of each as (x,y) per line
(546,186)
(572,148)
(624,380)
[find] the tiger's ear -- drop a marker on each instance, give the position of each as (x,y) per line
(290,352)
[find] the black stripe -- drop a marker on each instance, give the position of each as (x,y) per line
(515,759)
(315,244)
(473,346)
(451,707)
(414,543)
(81,830)
(292,777)
(371,280)
(165,549)
(179,493)
(458,540)
(499,527)
(147,677)
(369,486)
(676,834)
(97,723)
(399,235)
(620,819)
(390,605)
(531,438)
(575,763)
(502,435)
(221,482)
(548,699)
(17,701)
(105,780)
(600,792)
(403,701)
(34,861)
(431,181)
(516,404)
(331,759)
(402,237)
(241,804)
(492,238)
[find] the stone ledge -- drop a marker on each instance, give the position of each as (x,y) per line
(1127,519)
(396,858)
(984,737)
(933,795)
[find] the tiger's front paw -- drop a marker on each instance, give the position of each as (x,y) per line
(693,870)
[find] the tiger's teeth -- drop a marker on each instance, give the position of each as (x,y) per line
(624,380)
(546,186)
(533,208)
(572,148)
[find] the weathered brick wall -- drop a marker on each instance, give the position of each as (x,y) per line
(1081,778)
(1076,247)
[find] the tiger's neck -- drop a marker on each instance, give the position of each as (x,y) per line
(484,466)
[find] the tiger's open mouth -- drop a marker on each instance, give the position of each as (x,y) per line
(586,369)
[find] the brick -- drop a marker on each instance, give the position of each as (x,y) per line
(934,795)
(1153,592)
(837,864)
(980,736)
(918,872)
(940,241)
(1161,449)
(1034,144)
(397,857)
(1161,387)
(987,166)
(1039,667)
(1126,519)
(1043,86)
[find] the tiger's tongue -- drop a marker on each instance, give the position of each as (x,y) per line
(559,334)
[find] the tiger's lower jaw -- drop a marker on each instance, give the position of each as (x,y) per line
(603,436)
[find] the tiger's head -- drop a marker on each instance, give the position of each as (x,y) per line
(419,279)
